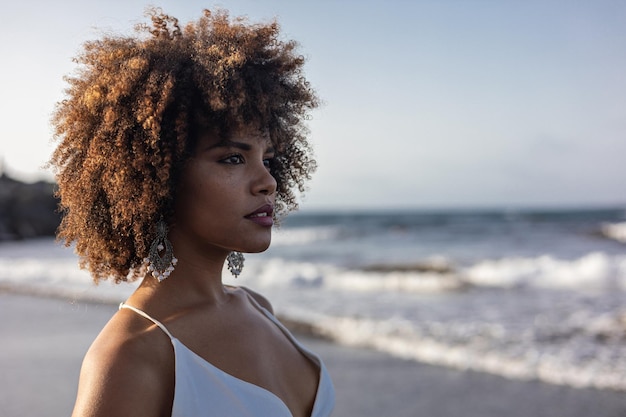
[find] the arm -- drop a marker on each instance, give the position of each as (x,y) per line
(126,376)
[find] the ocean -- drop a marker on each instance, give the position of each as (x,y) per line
(525,294)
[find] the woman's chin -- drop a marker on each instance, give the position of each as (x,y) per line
(259,249)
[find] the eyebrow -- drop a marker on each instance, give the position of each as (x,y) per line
(227,143)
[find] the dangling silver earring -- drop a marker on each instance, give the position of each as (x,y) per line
(161,266)
(235,263)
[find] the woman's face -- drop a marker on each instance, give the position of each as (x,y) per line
(226,194)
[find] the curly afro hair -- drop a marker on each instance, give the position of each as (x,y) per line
(134,109)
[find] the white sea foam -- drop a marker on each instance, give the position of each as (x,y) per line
(45,267)
(592,271)
(546,363)
(57,277)
(278,272)
(49,266)
(413,282)
(303,235)
(616,231)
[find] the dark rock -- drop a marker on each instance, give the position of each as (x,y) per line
(27,210)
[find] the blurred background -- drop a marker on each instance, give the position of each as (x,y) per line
(469,207)
(427,103)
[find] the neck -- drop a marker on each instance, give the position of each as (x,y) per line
(193,281)
(196,278)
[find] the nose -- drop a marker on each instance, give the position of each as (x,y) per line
(264,182)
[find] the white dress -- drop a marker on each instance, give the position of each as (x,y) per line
(203,390)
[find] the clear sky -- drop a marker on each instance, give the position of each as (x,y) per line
(428,104)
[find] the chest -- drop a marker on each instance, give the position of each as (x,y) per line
(252,354)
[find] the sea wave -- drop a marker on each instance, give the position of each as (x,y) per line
(561,360)
(545,325)
(60,277)
(615,231)
(592,271)
(303,235)
(278,272)
(42,266)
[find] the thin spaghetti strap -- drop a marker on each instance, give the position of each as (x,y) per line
(143,314)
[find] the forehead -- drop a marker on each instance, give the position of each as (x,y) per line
(248,135)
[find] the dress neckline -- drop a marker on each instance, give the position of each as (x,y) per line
(308,354)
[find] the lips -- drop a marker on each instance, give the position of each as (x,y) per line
(262,216)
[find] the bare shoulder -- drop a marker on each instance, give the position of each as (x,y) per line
(263,302)
(128,370)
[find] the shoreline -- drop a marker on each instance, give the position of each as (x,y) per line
(45,339)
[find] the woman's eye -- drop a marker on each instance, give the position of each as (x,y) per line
(268,162)
(233,160)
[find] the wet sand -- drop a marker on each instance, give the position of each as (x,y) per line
(44,340)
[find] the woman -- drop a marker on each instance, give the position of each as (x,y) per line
(178,149)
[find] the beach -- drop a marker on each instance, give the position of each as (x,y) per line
(44,340)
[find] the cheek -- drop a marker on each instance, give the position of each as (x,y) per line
(189,191)
(202,192)
(194,180)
